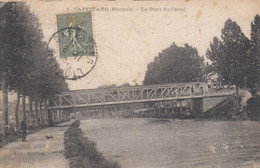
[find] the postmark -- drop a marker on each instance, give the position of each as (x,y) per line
(73,46)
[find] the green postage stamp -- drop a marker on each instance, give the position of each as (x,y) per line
(75,34)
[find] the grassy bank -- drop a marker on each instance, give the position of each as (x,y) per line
(81,152)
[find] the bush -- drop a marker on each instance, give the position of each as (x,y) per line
(253,108)
(81,152)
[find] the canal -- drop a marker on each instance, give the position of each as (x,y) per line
(155,143)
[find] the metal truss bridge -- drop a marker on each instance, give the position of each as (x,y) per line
(135,94)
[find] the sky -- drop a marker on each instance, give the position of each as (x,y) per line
(128,41)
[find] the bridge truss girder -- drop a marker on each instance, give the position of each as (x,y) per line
(124,95)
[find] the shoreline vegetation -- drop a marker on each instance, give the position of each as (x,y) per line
(81,152)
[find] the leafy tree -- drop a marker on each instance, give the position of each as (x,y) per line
(28,32)
(229,55)
(20,35)
(8,29)
(174,65)
(24,60)
(254,71)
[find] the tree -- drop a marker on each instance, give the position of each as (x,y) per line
(27,34)
(20,33)
(174,65)
(25,65)
(254,71)
(7,29)
(229,55)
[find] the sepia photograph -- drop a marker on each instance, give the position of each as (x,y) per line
(130,84)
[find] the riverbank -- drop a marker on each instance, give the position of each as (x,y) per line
(81,152)
(14,135)
(37,151)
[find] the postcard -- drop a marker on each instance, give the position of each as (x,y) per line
(130,84)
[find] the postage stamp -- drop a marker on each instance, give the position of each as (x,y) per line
(75,48)
(76,34)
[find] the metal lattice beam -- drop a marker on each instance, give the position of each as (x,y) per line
(122,95)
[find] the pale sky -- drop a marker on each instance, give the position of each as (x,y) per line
(128,41)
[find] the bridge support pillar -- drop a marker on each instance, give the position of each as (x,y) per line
(56,119)
(61,116)
(180,106)
(57,116)
(197,104)
(40,110)
(37,114)
(191,105)
(75,114)
(50,118)
(45,113)
(53,116)
(160,109)
(173,107)
(66,114)
(211,102)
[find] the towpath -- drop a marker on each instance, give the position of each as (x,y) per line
(37,152)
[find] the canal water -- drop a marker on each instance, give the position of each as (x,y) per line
(155,143)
